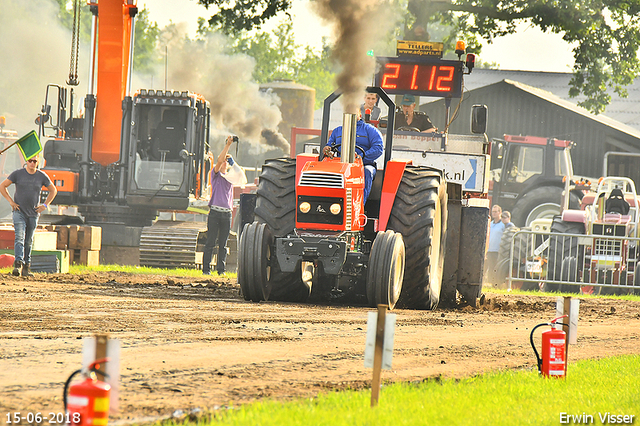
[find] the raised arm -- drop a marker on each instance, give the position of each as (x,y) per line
(223,155)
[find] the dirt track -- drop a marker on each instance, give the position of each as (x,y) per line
(194,343)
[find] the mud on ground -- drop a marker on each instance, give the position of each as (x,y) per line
(195,343)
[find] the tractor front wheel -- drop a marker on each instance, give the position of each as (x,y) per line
(254,262)
(276,207)
(419,213)
(386,269)
(561,248)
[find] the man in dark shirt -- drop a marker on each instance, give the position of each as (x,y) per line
(26,209)
(413,119)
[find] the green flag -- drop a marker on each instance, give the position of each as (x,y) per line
(29,145)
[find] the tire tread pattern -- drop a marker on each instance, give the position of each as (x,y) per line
(276,207)
(413,216)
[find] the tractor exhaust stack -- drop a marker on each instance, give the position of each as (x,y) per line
(348,149)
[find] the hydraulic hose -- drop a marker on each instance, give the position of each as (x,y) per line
(93,367)
(535,351)
(66,388)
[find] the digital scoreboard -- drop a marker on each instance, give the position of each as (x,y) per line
(419,76)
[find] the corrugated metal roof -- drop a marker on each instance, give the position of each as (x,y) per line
(601,118)
(520,109)
(624,110)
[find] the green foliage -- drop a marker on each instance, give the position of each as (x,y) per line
(315,71)
(506,398)
(65,15)
(146,55)
(146,37)
(243,14)
(278,57)
(605,34)
(274,54)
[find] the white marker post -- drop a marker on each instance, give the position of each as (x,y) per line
(568,306)
(378,352)
(99,347)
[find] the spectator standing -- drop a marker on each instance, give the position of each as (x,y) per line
(26,210)
(505,217)
(496,229)
(220,207)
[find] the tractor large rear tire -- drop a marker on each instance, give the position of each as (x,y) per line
(386,269)
(276,207)
(563,249)
(516,265)
(636,280)
(501,268)
(254,262)
(543,202)
(419,213)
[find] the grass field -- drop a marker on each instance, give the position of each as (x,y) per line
(78,269)
(74,269)
(595,388)
(581,296)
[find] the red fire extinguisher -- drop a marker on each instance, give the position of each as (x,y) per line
(553,362)
(87,403)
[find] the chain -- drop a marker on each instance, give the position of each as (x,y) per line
(75,45)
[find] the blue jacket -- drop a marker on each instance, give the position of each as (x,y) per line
(367,137)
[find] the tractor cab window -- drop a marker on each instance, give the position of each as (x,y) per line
(524,162)
(160,136)
(563,166)
(497,155)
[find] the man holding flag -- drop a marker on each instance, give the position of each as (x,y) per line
(26,206)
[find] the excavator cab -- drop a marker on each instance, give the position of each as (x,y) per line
(167,142)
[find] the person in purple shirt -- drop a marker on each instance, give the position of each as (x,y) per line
(220,207)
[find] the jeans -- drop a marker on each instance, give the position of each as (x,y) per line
(24,228)
(490,263)
(218,227)
(369,174)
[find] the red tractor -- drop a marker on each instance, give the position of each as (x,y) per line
(527,176)
(312,235)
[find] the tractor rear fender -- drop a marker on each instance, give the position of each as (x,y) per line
(392,177)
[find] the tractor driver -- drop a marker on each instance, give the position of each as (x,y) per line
(370,140)
(415,120)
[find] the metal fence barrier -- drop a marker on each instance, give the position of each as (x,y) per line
(567,262)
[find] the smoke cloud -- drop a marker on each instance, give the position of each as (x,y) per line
(357,24)
(35,51)
(237,105)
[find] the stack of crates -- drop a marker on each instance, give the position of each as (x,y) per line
(83,243)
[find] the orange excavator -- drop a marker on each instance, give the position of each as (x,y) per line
(130,155)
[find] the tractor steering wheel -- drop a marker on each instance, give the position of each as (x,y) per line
(408,129)
(334,148)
